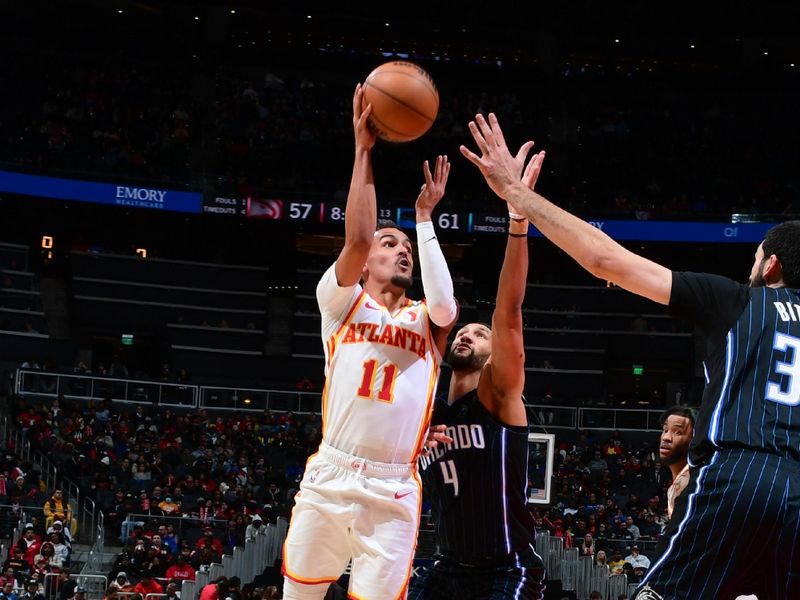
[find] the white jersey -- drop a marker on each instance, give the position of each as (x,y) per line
(381,372)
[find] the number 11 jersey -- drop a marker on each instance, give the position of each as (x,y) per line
(381,371)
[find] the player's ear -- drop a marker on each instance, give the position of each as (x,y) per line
(773,270)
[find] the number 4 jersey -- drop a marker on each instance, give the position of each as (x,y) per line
(478,484)
(752,364)
(381,372)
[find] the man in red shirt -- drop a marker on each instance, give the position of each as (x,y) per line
(181,569)
(148,585)
(30,542)
(208,539)
(216,590)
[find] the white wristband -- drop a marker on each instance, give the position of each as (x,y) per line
(515,216)
(436,281)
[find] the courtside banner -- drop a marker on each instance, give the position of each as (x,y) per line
(118,194)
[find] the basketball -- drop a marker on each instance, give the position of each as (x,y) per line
(404,101)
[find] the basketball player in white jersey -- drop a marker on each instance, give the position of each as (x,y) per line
(360,495)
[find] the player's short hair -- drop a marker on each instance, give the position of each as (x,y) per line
(783,241)
(681,411)
(386,224)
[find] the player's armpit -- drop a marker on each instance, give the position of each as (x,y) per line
(503,402)
(333,299)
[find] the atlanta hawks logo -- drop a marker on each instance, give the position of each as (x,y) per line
(411,316)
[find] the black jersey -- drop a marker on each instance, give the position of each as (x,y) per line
(752,364)
(478,484)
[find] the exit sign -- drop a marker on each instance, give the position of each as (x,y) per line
(638,370)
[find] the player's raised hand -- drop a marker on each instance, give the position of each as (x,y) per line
(432,190)
(532,170)
(364,136)
(436,436)
(501,170)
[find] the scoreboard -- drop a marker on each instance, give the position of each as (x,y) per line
(332,213)
(329,216)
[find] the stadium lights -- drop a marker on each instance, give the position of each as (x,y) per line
(233,11)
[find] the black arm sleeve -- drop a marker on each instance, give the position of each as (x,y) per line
(711,302)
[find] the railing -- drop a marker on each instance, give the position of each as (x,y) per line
(622,419)
(87,387)
(134,391)
(246,563)
(577,573)
(179,522)
(260,400)
(95,585)
(94,563)
(72,492)
(557,417)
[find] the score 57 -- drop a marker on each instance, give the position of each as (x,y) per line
(299,210)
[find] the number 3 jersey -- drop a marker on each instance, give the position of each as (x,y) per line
(478,484)
(752,364)
(381,372)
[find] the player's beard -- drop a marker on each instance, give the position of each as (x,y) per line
(758,281)
(468,361)
(673,458)
(404,282)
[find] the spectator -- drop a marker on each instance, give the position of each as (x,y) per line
(636,559)
(47,561)
(173,591)
(80,593)
(253,528)
(600,559)
(616,563)
(235,588)
(168,506)
(216,590)
(66,534)
(32,591)
(8,591)
(121,583)
(208,540)
(30,542)
(58,509)
(9,575)
(181,570)
(18,563)
(587,545)
(633,528)
(148,585)
(64,586)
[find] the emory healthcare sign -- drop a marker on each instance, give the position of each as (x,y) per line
(100,193)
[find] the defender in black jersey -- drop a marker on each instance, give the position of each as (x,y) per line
(478,482)
(738,529)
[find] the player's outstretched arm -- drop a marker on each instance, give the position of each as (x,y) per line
(506,368)
(436,280)
(360,214)
(590,247)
